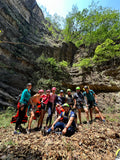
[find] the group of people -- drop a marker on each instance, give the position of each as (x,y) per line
(62,106)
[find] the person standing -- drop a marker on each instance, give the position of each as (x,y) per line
(79,104)
(44,107)
(91,101)
(33,108)
(24,101)
(51,106)
(69,98)
(60,100)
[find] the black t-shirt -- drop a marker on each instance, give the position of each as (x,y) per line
(60,100)
(79,97)
(69,99)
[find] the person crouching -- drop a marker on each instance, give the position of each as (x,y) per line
(65,122)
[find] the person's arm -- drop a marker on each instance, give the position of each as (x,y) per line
(52,127)
(85,100)
(68,125)
(31,102)
(23,97)
(95,96)
(74,103)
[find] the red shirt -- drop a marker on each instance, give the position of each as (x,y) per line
(45,98)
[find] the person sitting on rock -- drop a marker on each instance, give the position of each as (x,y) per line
(65,122)
(91,101)
(79,104)
(34,109)
(23,105)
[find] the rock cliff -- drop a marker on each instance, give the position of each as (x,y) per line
(24,37)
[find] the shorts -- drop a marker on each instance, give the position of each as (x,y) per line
(33,109)
(80,106)
(44,107)
(91,104)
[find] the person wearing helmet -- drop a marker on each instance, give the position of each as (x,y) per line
(69,100)
(79,104)
(23,105)
(67,124)
(60,100)
(41,91)
(51,106)
(91,101)
(44,106)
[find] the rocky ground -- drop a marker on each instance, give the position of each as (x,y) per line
(97,141)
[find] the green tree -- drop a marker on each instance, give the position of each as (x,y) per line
(106,51)
(92,26)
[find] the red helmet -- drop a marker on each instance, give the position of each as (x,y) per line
(54,89)
(41,91)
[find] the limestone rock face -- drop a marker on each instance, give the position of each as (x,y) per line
(23,38)
(105,77)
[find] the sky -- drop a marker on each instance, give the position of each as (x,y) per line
(63,7)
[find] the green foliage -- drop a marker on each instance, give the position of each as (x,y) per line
(51,73)
(5,117)
(64,63)
(106,51)
(92,26)
(84,63)
(52,61)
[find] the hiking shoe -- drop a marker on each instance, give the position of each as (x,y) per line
(44,132)
(19,132)
(15,132)
(58,133)
(90,122)
(103,120)
(28,131)
(37,129)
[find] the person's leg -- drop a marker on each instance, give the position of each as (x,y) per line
(18,122)
(60,125)
(91,114)
(50,119)
(49,113)
(30,120)
(41,119)
(96,108)
(79,115)
(70,131)
(87,115)
(90,105)
(20,117)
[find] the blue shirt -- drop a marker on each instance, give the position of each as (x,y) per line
(66,117)
(25,96)
(89,95)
